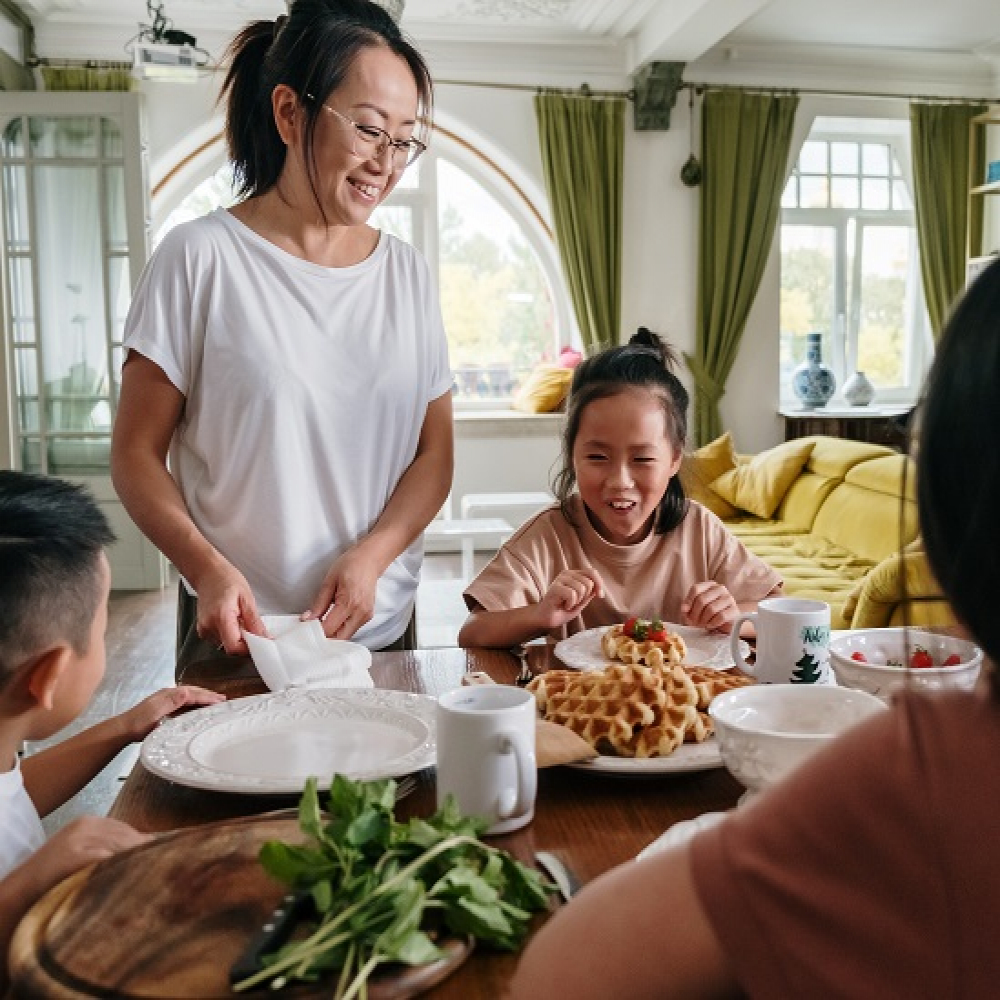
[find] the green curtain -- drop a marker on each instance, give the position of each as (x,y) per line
(582,143)
(941,178)
(744,153)
(87,78)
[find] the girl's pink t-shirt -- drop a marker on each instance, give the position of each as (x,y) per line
(650,578)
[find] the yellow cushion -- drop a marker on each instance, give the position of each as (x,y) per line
(700,467)
(544,390)
(760,485)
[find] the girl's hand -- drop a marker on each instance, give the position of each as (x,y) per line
(226,607)
(571,591)
(138,722)
(346,598)
(709,605)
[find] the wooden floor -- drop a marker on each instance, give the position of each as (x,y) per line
(140,647)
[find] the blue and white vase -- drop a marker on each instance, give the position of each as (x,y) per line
(813,382)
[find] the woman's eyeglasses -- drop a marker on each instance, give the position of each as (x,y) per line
(370,141)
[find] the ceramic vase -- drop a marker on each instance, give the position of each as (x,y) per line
(858,390)
(813,382)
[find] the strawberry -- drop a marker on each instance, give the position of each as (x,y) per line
(657,634)
(952,661)
(859,656)
(920,658)
(629,627)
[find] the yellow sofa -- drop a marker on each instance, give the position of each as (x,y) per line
(841,533)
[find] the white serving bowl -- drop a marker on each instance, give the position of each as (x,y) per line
(767,730)
(881,644)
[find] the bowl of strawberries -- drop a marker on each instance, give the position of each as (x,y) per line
(880,660)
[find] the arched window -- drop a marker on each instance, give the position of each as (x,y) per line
(502,295)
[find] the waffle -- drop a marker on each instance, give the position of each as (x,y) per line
(651,652)
(626,710)
(710,683)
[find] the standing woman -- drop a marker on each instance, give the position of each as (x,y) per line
(289,358)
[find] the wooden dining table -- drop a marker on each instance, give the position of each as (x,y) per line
(592,820)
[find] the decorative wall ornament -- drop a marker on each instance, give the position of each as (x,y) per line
(514,11)
(656,85)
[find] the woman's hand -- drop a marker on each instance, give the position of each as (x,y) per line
(346,598)
(570,592)
(709,605)
(226,607)
(139,721)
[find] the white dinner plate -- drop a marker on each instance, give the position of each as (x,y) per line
(271,743)
(687,757)
(704,649)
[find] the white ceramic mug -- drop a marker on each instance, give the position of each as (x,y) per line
(486,753)
(793,641)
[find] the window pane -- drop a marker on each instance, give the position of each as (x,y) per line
(120,294)
(13,138)
(113,146)
(844,192)
(901,196)
(394,219)
(31,455)
(790,196)
(78,456)
(411,175)
(813,192)
(22,302)
(15,185)
(844,157)
(496,302)
(64,137)
(875,159)
(888,275)
(813,158)
(808,254)
(874,194)
(114,194)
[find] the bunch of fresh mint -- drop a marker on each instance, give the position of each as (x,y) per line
(379,886)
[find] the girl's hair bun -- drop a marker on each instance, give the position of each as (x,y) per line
(644,337)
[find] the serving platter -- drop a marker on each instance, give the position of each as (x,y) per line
(687,757)
(270,744)
(582,651)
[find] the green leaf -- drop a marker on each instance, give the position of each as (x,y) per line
(310,815)
(416,948)
(322,893)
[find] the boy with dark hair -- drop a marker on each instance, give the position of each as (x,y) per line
(54,585)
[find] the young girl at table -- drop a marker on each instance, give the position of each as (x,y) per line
(627,541)
(54,583)
(873,870)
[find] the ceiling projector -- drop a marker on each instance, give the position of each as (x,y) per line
(160,61)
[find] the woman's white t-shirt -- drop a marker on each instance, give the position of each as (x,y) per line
(21,831)
(305,388)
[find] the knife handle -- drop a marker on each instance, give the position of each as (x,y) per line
(292,908)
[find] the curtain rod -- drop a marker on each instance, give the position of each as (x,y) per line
(585,91)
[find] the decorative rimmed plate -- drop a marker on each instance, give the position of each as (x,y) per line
(705,649)
(680,833)
(687,757)
(269,744)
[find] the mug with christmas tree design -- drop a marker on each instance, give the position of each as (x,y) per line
(793,641)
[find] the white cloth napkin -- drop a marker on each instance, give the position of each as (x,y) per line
(298,654)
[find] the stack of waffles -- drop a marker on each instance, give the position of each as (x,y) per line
(631,709)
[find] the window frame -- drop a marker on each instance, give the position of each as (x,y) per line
(844,335)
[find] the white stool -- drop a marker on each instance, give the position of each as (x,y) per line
(470,530)
(474,504)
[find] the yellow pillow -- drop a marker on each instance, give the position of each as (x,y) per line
(544,390)
(700,467)
(761,484)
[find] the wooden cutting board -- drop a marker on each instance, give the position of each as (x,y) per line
(168,920)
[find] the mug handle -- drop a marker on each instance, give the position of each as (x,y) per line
(734,640)
(527,775)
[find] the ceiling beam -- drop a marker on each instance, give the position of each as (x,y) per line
(683,30)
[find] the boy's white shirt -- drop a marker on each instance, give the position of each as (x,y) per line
(21,831)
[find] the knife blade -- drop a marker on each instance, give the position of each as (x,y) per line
(565,879)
